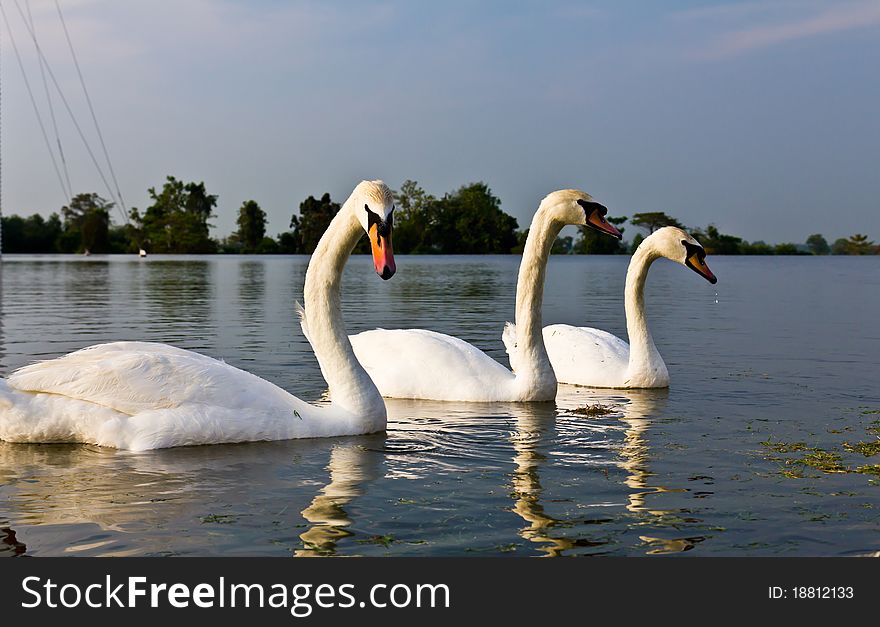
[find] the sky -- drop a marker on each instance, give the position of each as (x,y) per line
(762,118)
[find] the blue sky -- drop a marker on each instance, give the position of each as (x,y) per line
(759,117)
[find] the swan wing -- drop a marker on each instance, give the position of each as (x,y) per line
(133,377)
(416,363)
(586,356)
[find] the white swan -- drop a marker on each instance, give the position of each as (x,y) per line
(595,358)
(141,395)
(434,366)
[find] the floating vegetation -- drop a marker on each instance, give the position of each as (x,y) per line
(597,409)
(220,519)
(787,447)
(826,461)
(868,449)
(792,473)
(385,540)
(870,469)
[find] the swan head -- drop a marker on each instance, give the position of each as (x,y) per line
(673,243)
(373,204)
(572,206)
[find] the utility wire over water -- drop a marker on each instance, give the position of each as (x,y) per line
(763,445)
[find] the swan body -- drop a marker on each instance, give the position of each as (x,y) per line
(143,395)
(440,367)
(596,358)
(434,366)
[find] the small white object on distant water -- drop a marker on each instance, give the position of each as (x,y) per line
(142,253)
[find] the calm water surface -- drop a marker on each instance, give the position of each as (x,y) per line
(782,351)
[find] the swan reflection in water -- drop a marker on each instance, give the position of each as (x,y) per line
(245,498)
(352,466)
(535,431)
(542,434)
(632,408)
(237,499)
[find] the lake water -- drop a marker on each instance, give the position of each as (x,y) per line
(752,451)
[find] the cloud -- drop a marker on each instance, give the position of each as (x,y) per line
(837,19)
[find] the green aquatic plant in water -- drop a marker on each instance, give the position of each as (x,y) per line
(787,447)
(385,540)
(826,461)
(594,410)
(220,519)
(868,449)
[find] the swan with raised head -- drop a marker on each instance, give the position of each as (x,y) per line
(434,366)
(142,395)
(596,358)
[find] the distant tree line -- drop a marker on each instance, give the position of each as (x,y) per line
(468,220)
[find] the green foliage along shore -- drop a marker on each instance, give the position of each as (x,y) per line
(469,220)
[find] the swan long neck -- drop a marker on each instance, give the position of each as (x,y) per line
(534,363)
(350,386)
(642,352)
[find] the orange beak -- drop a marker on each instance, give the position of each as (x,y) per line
(383,254)
(698,265)
(597,221)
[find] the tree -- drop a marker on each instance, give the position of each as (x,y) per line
(288,243)
(268,246)
(314,218)
(562,245)
(470,221)
(717,243)
(413,211)
(857,244)
(592,242)
(758,247)
(123,239)
(818,245)
(177,221)
(86,224)
(251,226)
(653,220)
(786,249)
(637,241)
(34,234)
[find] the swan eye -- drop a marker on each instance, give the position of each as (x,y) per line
(383,227)
(593,207)
(690,250)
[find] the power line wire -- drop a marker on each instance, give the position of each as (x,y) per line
(51,107)
(69,110)
(34,104)
(91,109)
